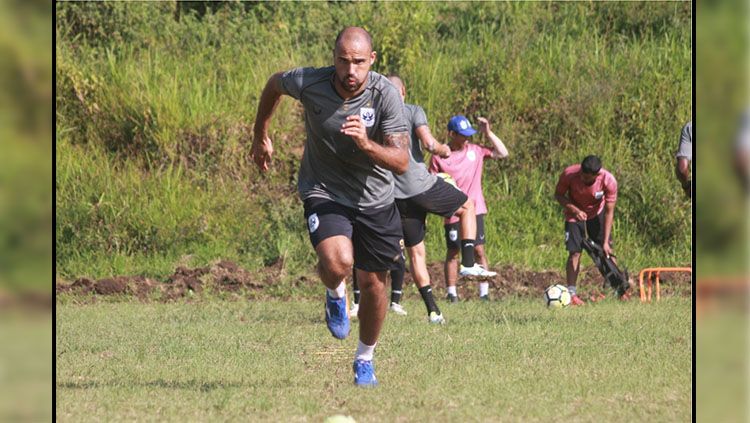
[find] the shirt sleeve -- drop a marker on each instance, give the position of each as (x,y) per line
(563,184)
(419,118)
(293,80)
(392,112)
(434,165)
(610,189)
(685,148)
(485,151)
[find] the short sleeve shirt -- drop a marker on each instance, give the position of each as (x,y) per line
(416,179)
(465,167)
(332,166)
(685,149)
(589,198)
(415,114)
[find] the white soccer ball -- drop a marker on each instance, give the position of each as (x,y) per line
(557,296)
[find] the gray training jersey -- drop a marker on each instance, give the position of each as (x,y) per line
(416,179)
(686,142)
(333,167)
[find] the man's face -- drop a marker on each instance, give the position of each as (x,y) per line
(352,60)
(458,139)
(589,178)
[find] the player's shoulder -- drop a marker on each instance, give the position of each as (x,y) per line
(310,75)
(571,170)
(608,176)
(379,83)
(687,130)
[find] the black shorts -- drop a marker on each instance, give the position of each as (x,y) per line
(442,199)
(454,229)
(574,233)
(375,233)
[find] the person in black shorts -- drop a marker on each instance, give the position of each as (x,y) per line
(356,139)
(417,193)
(588,194)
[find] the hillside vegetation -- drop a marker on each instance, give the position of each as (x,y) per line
(156,101)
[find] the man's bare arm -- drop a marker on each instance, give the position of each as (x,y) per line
(609,217)
(262,147)
(499,151)
(392,155)
(570,207)
(430,143)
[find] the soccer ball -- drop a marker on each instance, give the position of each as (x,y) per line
(447,178)
(557,296)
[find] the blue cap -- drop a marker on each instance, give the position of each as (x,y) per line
(461,125)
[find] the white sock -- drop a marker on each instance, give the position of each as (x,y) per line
(484,288)
(452,290)
(572,289)
(365,352)
(339,292)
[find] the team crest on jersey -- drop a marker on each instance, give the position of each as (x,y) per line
(368,116)
(471,155)
(313,222)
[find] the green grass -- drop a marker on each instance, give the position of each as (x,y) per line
(511,360)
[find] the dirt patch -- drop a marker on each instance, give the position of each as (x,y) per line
(228,277)
(224,276)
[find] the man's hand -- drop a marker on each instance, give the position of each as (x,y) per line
(261,151)
(443,151)
(355,128)
(607,249)
(484,125)
(578,213)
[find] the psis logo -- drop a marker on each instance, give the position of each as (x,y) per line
(453,234)
(368,116)
(464,124)
(471,155)
(313,222)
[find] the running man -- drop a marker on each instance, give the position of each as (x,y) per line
(588,194)
(356,138)
(465,167)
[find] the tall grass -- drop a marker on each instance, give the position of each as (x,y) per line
(155,105)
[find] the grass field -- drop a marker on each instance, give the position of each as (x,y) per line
(510,360)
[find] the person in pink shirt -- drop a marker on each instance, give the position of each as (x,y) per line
(588,194)
(464,165)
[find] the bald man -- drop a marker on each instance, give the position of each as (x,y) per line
(356,139)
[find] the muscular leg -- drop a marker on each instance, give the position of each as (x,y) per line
(451,267)
(481,257)
(335,260)
(572,267)
(417,257)
(468,219)
(418,262)
(372,306)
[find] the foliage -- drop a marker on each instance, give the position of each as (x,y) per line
(155,104)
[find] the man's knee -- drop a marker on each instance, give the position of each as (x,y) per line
(466,208)
(336,262)
(574,256)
